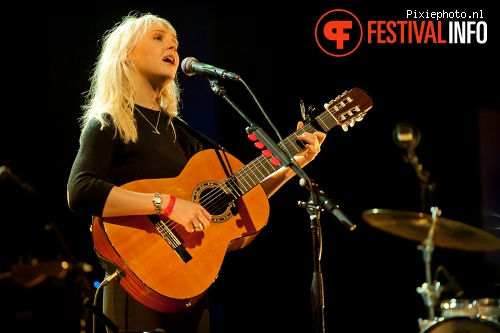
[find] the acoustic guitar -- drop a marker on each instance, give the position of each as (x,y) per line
(166,268)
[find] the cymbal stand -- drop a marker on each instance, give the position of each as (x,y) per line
(428,291)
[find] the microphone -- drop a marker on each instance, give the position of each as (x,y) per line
(191,66)
(328,204)
(406,136)
(333,208)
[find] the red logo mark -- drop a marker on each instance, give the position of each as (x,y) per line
(336,34)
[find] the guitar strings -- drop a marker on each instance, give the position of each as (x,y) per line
(322,118)
(217,200)
(174,241)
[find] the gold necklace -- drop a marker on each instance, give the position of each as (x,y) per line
(157,121)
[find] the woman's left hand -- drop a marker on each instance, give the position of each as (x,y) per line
(312,142)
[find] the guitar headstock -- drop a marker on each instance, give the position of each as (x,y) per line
(349,107)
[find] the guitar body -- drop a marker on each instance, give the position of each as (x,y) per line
(152,272)
(168,269)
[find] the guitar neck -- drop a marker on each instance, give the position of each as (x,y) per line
(344,110)
(257,170)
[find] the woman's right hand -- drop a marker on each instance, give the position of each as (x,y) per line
(192,216)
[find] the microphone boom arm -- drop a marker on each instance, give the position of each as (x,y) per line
(285,159)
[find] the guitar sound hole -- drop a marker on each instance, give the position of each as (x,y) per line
(216,202)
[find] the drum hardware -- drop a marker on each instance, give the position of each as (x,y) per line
(433,230)
(452,284)
(462,324)
(457,307)
(465,315)
(488,309)
(430,292)
(424,324)
(448,233)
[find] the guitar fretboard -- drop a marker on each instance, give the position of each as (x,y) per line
(336,113)
(257,170)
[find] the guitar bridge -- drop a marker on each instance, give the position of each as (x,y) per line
(170,238)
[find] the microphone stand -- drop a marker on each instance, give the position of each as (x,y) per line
(408,137)
(318,202)
(317,290)
(87,303)
(423,175)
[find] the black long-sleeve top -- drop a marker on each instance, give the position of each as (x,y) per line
(104,161)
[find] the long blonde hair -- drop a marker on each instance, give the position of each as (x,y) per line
(112,89)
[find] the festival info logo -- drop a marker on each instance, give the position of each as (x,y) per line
(339,32)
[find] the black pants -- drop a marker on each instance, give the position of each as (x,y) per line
(131,316)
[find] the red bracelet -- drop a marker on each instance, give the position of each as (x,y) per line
(170,207)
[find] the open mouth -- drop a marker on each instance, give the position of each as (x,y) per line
(169,59)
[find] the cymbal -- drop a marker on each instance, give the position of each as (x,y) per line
(447,234)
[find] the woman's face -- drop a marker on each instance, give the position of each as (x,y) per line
(155,55)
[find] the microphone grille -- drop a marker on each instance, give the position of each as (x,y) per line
(187,65)
(406,136)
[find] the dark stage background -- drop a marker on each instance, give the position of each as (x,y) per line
(449,92)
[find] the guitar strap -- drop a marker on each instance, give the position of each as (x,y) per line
(197,134)
(207,142)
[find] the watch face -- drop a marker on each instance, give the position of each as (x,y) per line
(157,199)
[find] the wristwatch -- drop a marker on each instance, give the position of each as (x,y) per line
(157,202)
